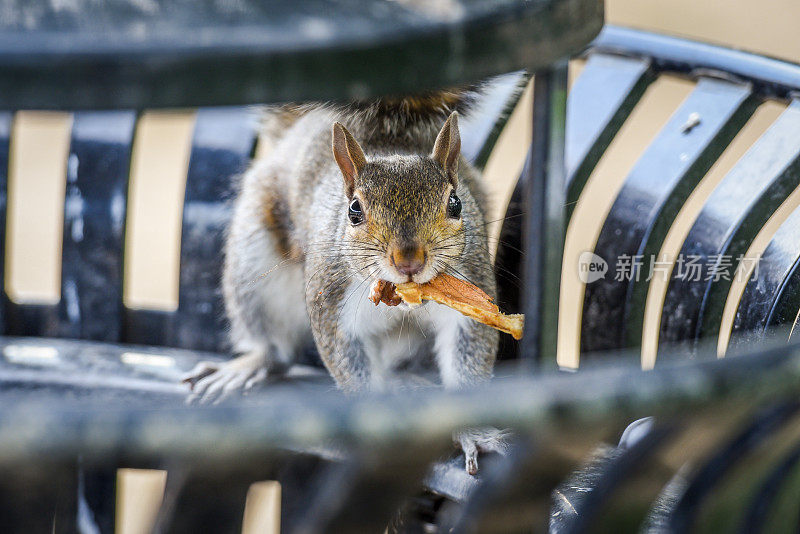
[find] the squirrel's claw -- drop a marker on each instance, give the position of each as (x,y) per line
(259,377)
(204,390)
(215,382)
(476,440)
(199,372)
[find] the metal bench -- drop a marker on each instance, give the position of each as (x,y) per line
(721,449)
(744,484)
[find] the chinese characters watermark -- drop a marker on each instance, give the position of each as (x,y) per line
(690,268)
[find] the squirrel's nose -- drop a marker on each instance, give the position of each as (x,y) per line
(409,259)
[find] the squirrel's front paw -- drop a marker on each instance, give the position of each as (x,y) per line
(214,382)
(475,440)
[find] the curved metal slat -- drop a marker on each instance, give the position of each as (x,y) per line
(647,204)
(544,222)
(732,216)
(786,308)
(769,299)
(794,334)
(481,127)
(40,496)
(757,514)
(498,477)
(726,506)
(95,206)
(383,482)
(313,489)
(221,148)
(207,499)
(508,263)
(765,424)
(6,119)
(604,477)
(770,77)
(97,497)
(599,102)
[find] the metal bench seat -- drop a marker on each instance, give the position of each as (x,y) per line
(620,65)
(134,363)
(721,452)
(379,447)
(743,482)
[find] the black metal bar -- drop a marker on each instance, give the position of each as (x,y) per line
(313,490)
(770,297)
(207,499)
(208,54)
(646,206)
(703,482)
(39,497)
(544,236)
(264,422)
(384,482)
(610,476)
(794,333)
(95,205)
(30,319)
(600,100)
(148,327)
(6,119)
(481,127)
(391,429)
(785,311)
(508,262)
(770,77)
(498,475)
(758,512)
(449,479)
(724,229)
(97,497)
(221,148)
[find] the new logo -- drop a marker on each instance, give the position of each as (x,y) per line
(591,267)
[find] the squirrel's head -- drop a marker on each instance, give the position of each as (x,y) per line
(403,216)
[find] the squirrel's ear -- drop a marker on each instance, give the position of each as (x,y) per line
(348,155)
(447,147)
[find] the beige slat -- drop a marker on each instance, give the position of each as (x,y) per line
(36,184)
(159,164)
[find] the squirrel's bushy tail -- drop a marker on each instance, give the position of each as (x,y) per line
(391,115)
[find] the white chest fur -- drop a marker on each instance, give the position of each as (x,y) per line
(394,334)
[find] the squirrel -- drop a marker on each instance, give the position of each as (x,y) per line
(349,195)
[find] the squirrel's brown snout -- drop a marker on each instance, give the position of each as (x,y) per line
(408,259)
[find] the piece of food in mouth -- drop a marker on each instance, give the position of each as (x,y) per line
(383,291)
(453,292)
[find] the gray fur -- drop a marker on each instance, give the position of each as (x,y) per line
(295,267)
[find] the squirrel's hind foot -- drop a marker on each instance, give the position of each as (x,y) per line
(212,382)
(476,440)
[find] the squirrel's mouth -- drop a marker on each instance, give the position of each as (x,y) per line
(385,291)
(407,262)
(391,274)
(397,273)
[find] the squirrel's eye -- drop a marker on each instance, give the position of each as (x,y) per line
(354,212)
(454,206)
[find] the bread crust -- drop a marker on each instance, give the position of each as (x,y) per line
(453,292)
